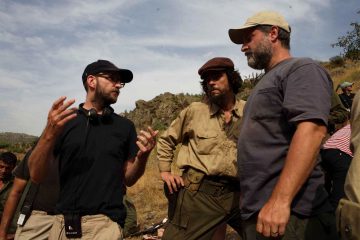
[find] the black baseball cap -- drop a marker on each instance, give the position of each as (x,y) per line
(107,66)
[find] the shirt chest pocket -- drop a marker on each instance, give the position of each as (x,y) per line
(206,141)
(267,104)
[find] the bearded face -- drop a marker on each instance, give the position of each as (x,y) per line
(259,56)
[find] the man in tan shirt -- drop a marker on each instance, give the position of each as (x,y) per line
(207,194)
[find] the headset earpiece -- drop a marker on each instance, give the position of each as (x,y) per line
(92,113)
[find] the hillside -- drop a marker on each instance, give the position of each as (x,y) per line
(163,109)
(13,138)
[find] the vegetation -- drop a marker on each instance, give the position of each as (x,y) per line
(350,43)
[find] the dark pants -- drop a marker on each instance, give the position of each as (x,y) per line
(336,165)
(319,227)
(200,208)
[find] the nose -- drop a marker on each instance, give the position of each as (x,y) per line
(118,84)
(244,47)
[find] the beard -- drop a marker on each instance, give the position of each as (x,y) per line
(217,99)
(260,57)
(105,98)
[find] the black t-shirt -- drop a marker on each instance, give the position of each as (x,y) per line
(47,192)
(91,155)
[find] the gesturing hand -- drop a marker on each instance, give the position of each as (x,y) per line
(146,141)
(59,114)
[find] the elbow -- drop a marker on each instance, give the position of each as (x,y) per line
(35,177)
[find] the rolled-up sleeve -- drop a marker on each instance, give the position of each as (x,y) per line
(168,141)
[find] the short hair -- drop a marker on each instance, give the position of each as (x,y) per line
(8,158)
(234,79)
(283,36)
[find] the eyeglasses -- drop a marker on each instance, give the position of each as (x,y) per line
(112,78)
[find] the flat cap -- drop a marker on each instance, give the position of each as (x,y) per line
(217,63)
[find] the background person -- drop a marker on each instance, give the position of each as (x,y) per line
(336,157)
(346,96)
(37,205)
(7,164)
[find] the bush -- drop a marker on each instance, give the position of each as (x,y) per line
(337,61)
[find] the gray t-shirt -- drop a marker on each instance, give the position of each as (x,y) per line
(295,90)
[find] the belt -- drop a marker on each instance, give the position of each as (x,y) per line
(218,188)
(212,185)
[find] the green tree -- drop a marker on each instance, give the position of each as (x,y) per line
(350,43)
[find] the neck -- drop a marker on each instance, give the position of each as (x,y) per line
(93,103)
(228,103)
(279,54)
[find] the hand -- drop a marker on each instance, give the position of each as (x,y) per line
(273,218)
(146,141)
(59,114)
(173,182)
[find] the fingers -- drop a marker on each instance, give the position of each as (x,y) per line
(282,228)
(172,181)
(60,112)
(146,140)
(274,231)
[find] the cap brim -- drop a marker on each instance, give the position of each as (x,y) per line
(237,34)
(125,74)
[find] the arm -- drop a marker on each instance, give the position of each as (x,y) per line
(11,205)
(58,116)
(165,151)
(135,168)
(299,163)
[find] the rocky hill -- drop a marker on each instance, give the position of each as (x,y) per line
(163,109)
(160,111)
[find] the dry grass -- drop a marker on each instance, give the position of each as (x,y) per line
(148,196)
(350,73)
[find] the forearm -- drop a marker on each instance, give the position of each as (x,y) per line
(165,154)
(41,155)
(135,169)
(300,161)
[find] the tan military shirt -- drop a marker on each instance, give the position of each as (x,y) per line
(352,183)
(208,143)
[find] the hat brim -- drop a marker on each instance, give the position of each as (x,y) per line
(125,74)
(237,34)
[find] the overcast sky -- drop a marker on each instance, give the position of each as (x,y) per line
(45,46)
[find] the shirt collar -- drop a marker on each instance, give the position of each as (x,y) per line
(237,111)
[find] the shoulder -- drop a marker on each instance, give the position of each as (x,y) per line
(298,63)
(122,119)
(122,123)
(196,108)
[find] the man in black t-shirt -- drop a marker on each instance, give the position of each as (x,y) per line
(98,152)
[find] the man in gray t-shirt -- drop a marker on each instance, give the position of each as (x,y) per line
(284,122)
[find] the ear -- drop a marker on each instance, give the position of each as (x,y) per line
(91,81)
(274,33)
